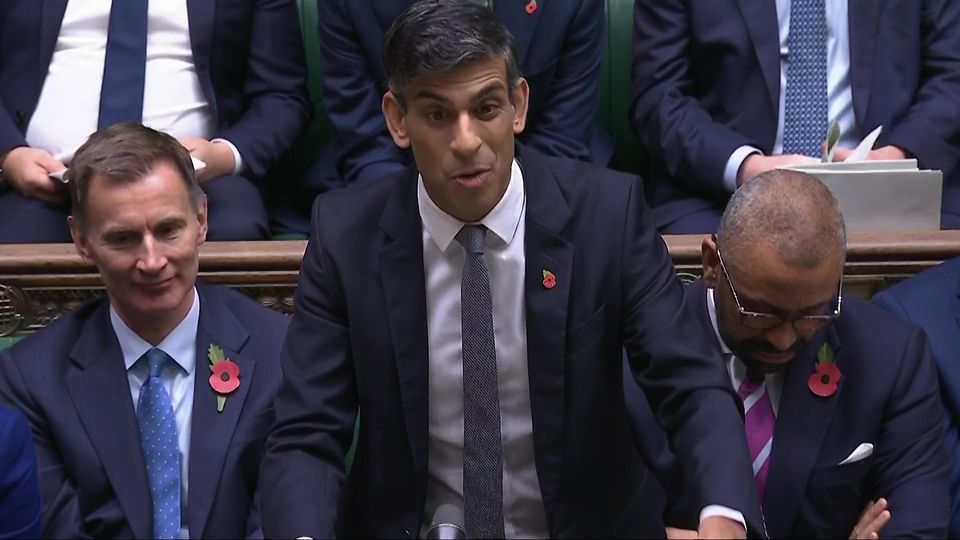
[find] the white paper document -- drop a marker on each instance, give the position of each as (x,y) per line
(890,195)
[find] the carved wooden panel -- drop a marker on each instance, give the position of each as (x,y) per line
(38,283)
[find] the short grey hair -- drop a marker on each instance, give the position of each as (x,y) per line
(437,36)
(791,211)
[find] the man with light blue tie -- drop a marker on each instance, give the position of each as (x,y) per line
(724,90)
(149,408)
(227,78)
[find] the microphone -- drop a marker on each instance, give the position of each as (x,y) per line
(444,524)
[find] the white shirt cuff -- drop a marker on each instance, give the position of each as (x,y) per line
(716,510)
(237,160)
(733,166)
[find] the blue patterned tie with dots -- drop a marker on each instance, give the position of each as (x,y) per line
(805,103)
(158,437)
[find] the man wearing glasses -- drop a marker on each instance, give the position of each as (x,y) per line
(842,415)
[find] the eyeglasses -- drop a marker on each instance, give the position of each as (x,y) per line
(768,321)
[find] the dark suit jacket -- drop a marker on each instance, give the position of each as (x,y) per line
(359,338)
(888,397)
(707,81)
(560,48)
(71,382)
(20,502)
(931,300)
(248,55)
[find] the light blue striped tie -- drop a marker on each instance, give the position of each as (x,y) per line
(158,438)
(805,103)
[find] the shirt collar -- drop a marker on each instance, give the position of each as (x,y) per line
(502,221)
(179,344)
(712,310)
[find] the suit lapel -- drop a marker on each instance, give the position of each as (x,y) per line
(200,15)
(401,273)
(212,431)
(98,385)
(522,25)
(51,18)
(760,17)
(863,16)
(802,423)
(546,314)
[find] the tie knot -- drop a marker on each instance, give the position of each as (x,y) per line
(471,237)
(156,359)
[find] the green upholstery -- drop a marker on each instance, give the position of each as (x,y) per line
(615,86)
(8,341)
(319,129)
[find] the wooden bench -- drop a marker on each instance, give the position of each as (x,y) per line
(40,282)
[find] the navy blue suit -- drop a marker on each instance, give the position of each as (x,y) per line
(20,502)
(887,397)
(71,382)
(560,48)
(931,300)
(249,59)
(707,80)
(359,339)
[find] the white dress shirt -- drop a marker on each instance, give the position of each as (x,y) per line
(178,380)
(524,515)
(69,104)
(839,93)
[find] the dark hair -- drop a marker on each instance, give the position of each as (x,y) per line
(792,211)
(437,36)
(125,153)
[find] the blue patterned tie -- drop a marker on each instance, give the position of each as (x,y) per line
(482,449)
(805,103)
(125,64)
(158,438)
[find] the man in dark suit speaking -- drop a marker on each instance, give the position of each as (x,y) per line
(475,309)
(149,409)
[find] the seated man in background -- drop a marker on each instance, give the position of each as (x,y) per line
(227,78)
(841,401)
(135,437)
(475,309)
(931,300)
(560,45)
(726,89)
(20,502)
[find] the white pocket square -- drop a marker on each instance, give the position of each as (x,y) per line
(859,454)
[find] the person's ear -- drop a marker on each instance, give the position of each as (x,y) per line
(202,220)
(711,261)
(395,116)
(520,98)
(79,239)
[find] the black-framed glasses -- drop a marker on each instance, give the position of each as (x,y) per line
(768,321)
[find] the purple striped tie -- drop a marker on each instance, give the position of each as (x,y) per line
(759,422)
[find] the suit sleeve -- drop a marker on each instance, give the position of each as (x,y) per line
(61,508)
(566,121)
(352,96)
(302,473)
(683,376)
(10,136)
(922,131)
(668,119)
(19,495)
(911,466)
(275,88)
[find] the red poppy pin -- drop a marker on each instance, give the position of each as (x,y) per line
(226,375)
(824,379)
(530,7)
(549,280)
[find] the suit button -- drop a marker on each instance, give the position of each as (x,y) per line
(406,533)
(19,117)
